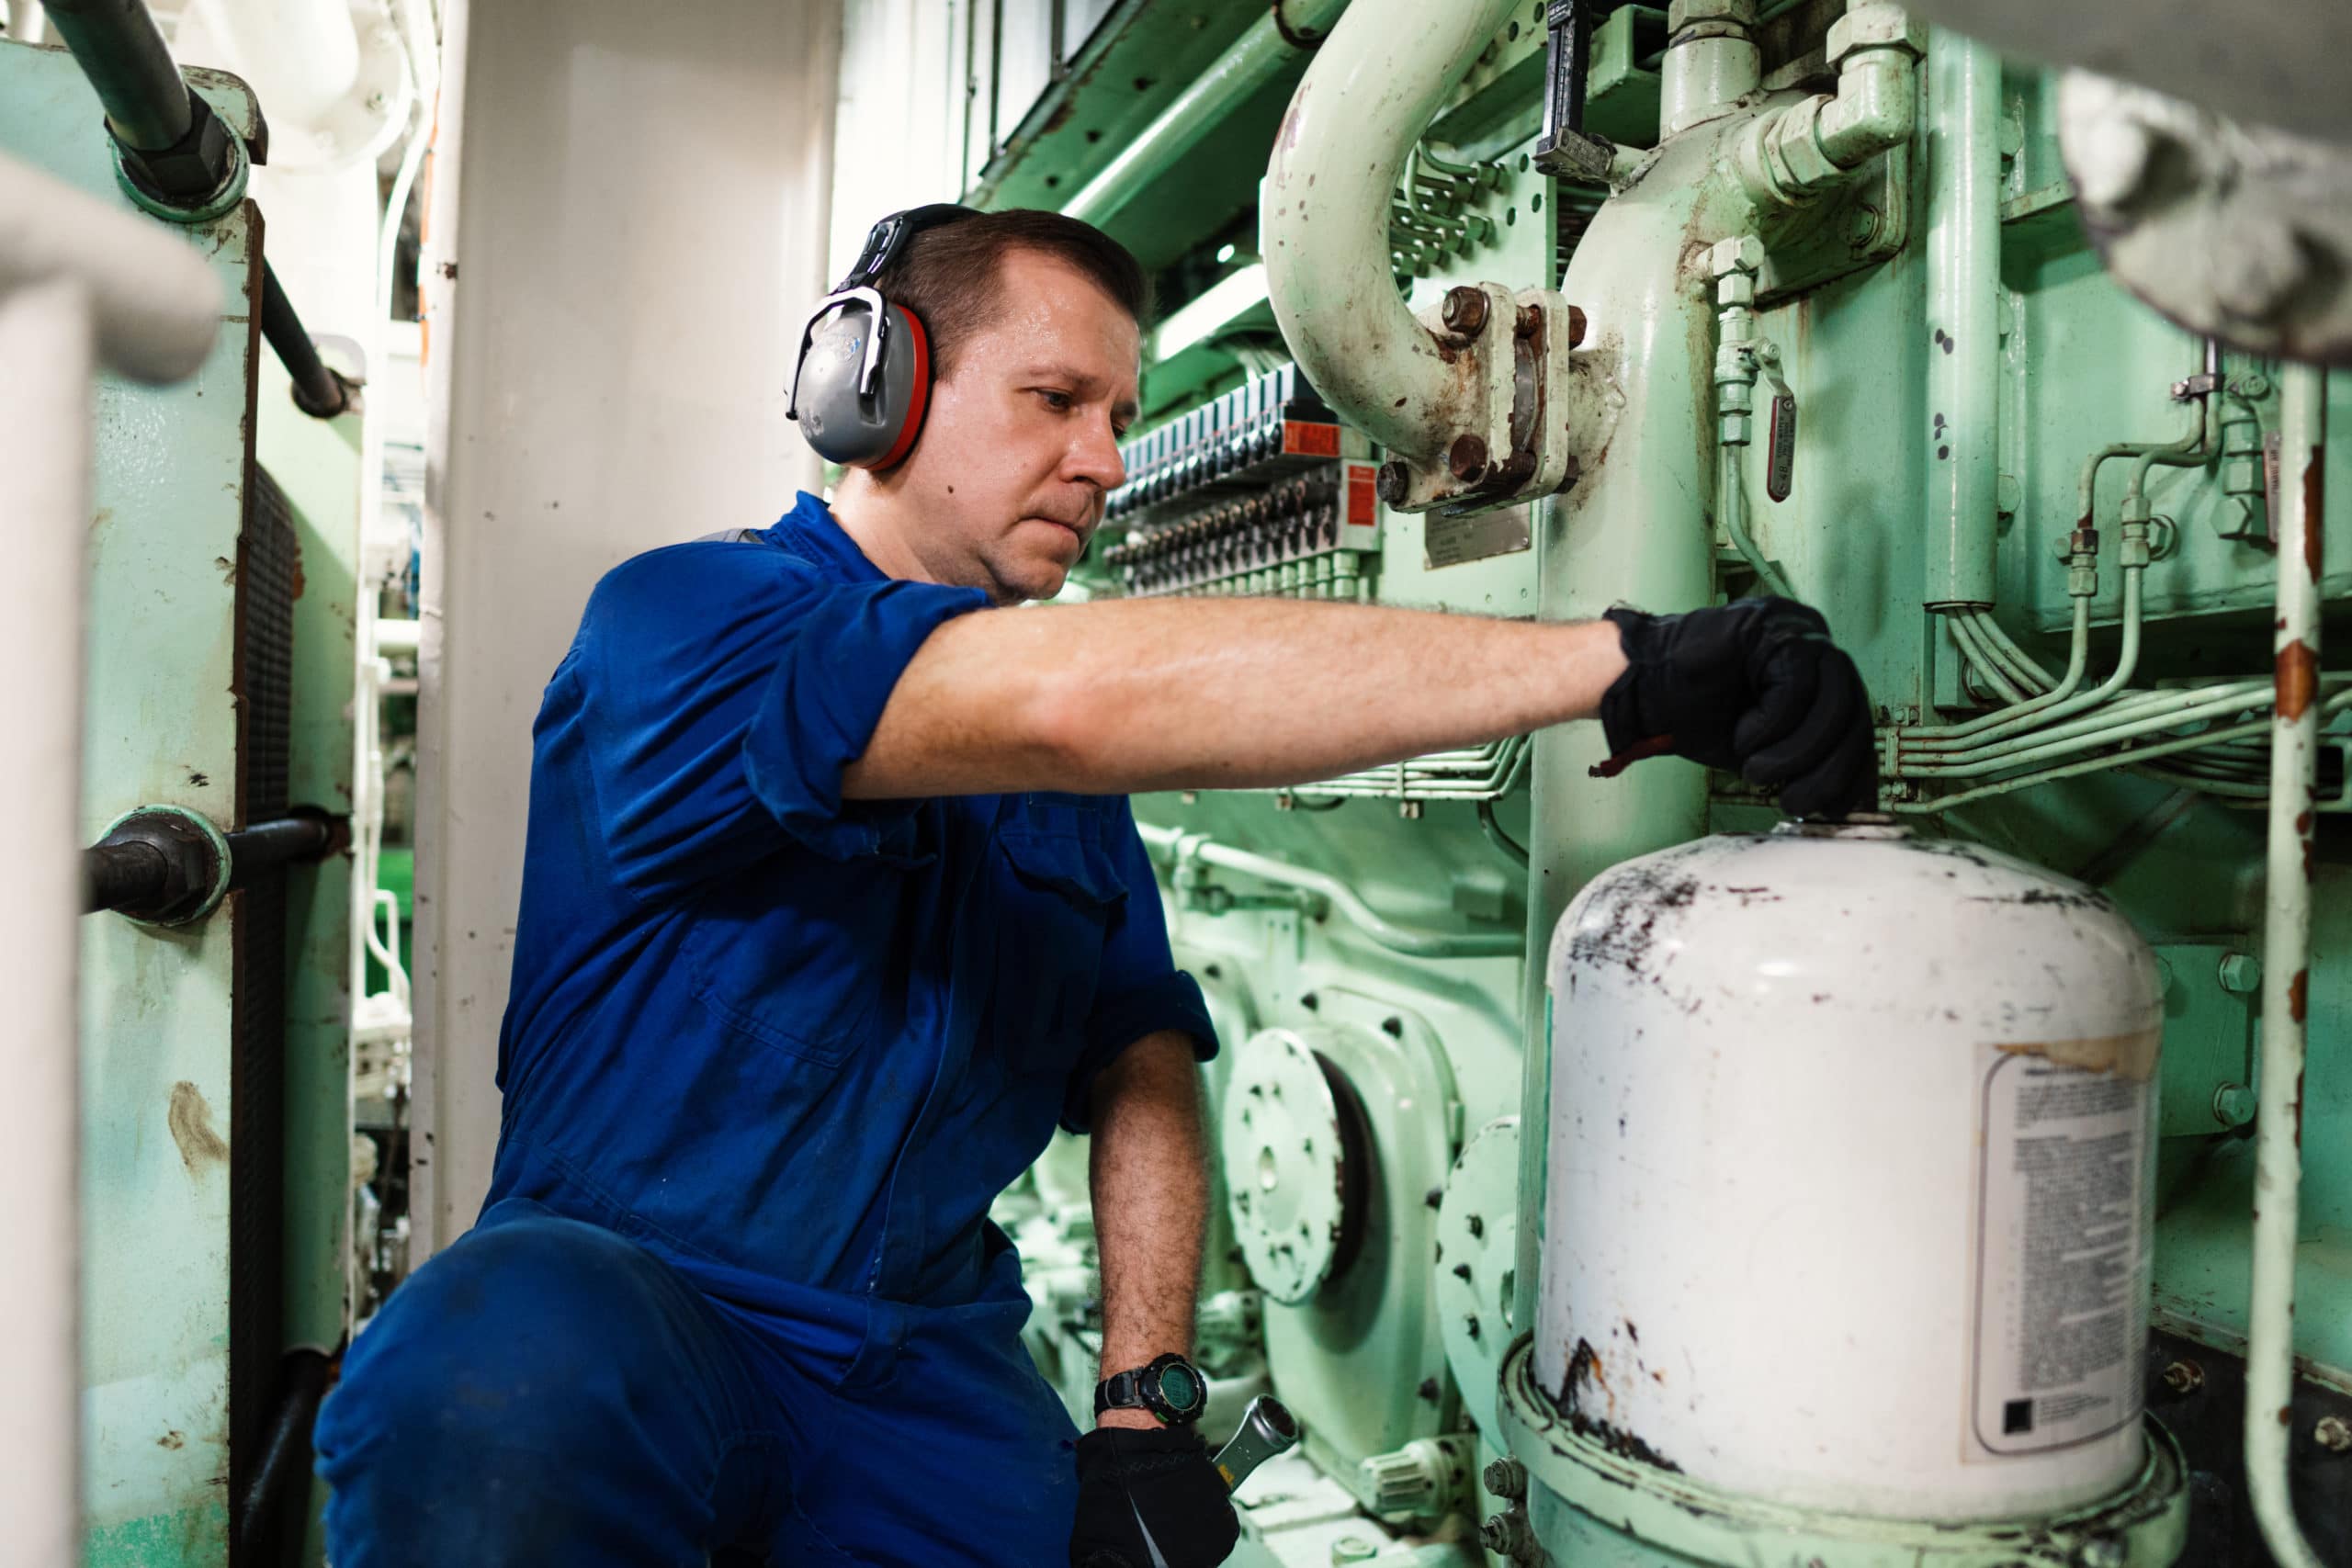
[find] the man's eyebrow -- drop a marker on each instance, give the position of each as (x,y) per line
(1126,410)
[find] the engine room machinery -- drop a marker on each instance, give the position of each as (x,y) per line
(1607,1173)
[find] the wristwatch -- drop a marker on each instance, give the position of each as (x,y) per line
(1171,1387)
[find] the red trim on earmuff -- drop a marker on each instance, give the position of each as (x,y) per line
(918,400)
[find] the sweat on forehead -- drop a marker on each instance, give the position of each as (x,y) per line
(951,278)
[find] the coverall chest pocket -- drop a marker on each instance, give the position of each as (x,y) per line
(1058,892)
(800,975)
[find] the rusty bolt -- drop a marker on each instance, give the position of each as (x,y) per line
(1506,1478)
(1508,1535)
(1575,326)
(1528,322)
(2334,1433)
(1467,459)
(2184,1377)
(1465,310)
(1395,482)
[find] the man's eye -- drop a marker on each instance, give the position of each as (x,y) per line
(1058,401)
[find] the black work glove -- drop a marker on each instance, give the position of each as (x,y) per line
(1139,1491)
(1756,688)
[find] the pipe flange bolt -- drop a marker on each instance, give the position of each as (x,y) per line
(194,855)
(1876,24)
(1465,310)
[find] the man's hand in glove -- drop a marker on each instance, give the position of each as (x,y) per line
(1149,1499)
(1755,688)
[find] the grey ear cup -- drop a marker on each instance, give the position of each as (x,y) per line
(859,415)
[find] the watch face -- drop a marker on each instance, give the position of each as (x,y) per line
(1179,1386)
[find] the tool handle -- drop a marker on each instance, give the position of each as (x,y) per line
(1267,1429)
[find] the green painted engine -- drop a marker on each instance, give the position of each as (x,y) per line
(1862,315)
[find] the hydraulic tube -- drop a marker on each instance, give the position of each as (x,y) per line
(1964,357)
(2286,958)
(181,158)
(122,53)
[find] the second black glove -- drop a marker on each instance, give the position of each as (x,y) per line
(1148,1498)
(1755,688)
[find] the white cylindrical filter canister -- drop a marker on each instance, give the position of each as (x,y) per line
(1851,1143)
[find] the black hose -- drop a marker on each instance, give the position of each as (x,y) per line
(285,1456)
(305,836)
(318,391)
(122,53)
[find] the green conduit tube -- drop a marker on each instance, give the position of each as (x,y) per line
(1731,505)
(1180,847)
(2254,730)
(1944,745)
(1256,58)
(1963,257)
(2286,956)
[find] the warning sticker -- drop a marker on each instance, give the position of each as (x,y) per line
(2062,1276)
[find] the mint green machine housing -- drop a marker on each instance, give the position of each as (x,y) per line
(1956,355)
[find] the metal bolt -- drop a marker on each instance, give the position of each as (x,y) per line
(2184,1377)
(1506,1478)
(1465,310)
(2101,1553)
(1467,459)
(1410,810)
(2334,1433)
(1395,481)
(2240,974)
(2235,1104)
(1575,326)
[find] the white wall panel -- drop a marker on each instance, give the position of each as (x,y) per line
(627,224)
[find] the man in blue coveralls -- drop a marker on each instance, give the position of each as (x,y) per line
(833,909)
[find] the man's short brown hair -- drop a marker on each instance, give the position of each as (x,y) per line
(951,277)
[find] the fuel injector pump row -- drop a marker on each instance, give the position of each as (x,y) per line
(1261,491)
(1290,539)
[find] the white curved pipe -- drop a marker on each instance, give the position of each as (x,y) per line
(154,303)
(1375,84)
(302,56)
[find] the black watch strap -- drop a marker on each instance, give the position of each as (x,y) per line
(1146,1388)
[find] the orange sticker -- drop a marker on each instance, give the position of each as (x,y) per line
(1363,501)
(1302,440)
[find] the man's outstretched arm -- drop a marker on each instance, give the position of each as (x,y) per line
(1131,695)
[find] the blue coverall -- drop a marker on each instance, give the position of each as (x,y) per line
(768,1057)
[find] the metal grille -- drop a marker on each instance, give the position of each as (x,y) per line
(269,566)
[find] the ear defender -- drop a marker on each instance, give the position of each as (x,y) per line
(862,383)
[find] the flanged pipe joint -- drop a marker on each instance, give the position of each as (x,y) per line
(1470,397)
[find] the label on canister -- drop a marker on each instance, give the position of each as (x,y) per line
(2064,1191)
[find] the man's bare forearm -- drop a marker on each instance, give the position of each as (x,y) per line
(1150,1187)
(1142,694)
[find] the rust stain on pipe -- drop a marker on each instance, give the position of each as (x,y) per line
(2298,994)
(2298,679)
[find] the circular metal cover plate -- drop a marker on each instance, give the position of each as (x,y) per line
(1284,1164)
(1477,1258)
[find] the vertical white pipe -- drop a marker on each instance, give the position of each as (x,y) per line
(302,56)
(2286,957)
(1963,256)
(46,341)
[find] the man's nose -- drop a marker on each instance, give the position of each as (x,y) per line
(1096,456)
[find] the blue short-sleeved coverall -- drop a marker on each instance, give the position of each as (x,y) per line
(768,1057)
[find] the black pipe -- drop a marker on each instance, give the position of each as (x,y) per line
(318,391)
(285,1456)
(177,152)
(304,836)
(122,53)
(159,865)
